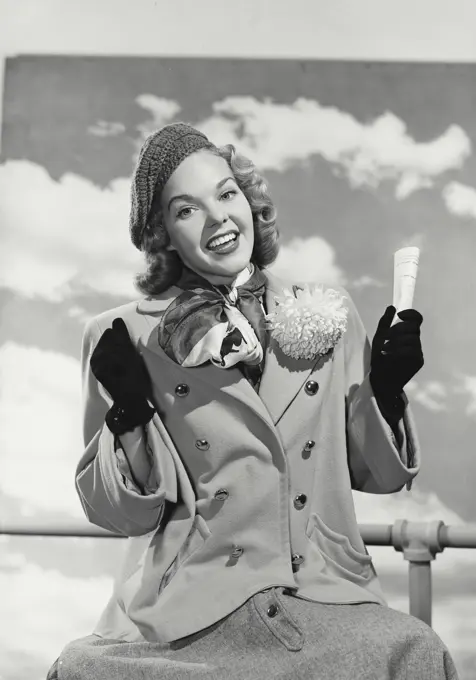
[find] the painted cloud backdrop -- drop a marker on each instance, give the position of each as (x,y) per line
(360,160)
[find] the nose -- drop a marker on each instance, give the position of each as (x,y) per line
(217,215)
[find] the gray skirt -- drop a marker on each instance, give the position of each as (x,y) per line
(274,635)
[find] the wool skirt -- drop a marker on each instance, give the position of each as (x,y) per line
(274,635)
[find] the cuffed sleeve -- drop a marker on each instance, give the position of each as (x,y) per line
(109,492)
(135,461)
(379,461)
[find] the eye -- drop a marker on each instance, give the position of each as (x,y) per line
(227,195)
(184,213)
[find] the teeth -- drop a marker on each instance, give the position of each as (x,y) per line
(221,239)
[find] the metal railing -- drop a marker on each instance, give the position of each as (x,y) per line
(419,542)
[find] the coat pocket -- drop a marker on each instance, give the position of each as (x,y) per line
(197,536)
(341,558)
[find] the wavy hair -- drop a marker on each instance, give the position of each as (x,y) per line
(164,267)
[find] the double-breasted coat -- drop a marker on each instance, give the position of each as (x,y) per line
(247,490)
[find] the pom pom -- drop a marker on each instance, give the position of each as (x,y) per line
(309,322)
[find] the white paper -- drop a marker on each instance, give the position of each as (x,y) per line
(406,262)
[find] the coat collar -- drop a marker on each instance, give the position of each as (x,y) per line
(282,376)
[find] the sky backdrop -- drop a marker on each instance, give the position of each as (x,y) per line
(361,158)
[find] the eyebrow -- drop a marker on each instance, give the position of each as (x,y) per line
(188,197)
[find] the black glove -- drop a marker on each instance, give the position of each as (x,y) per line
(117,365)
(396,357)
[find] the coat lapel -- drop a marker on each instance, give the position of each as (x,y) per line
(231,381)
(283,376)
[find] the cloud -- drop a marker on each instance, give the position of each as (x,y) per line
(413,505)
(40,429)
(454,621)
(308,259)
(278,136)
(467,386)
(435,396)
(161,110)
(432,395)
(64,237)
(366,282)
(104,128)
(460,199)
(43,611)
(77,312)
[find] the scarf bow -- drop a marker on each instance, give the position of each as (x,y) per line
(220,324)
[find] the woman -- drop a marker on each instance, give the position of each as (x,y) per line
(225,443)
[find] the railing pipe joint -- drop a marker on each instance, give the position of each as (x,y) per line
(418,541)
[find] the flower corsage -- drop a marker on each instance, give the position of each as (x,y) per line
(309,321)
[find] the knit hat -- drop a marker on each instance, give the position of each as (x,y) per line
(161,153)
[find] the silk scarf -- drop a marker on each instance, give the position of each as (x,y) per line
(221,324)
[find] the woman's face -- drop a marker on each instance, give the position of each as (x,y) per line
(208,218)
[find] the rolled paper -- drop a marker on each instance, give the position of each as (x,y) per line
(404,278)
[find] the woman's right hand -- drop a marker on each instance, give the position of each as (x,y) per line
(118,366)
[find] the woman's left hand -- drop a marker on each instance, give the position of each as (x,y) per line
(396,352)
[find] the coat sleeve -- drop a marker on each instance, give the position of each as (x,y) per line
(379,462)
(109,494)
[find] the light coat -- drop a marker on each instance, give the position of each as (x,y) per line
(221,521)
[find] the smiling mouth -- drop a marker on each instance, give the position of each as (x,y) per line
(221,240)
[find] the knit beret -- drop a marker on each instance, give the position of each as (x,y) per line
(161,153)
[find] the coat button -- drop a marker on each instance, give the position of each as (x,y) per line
(202,444)
(300,501)
(182,390)
(221,495)
(237,551)
(310,444)
(311,387)
(272,610)
(297,558)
